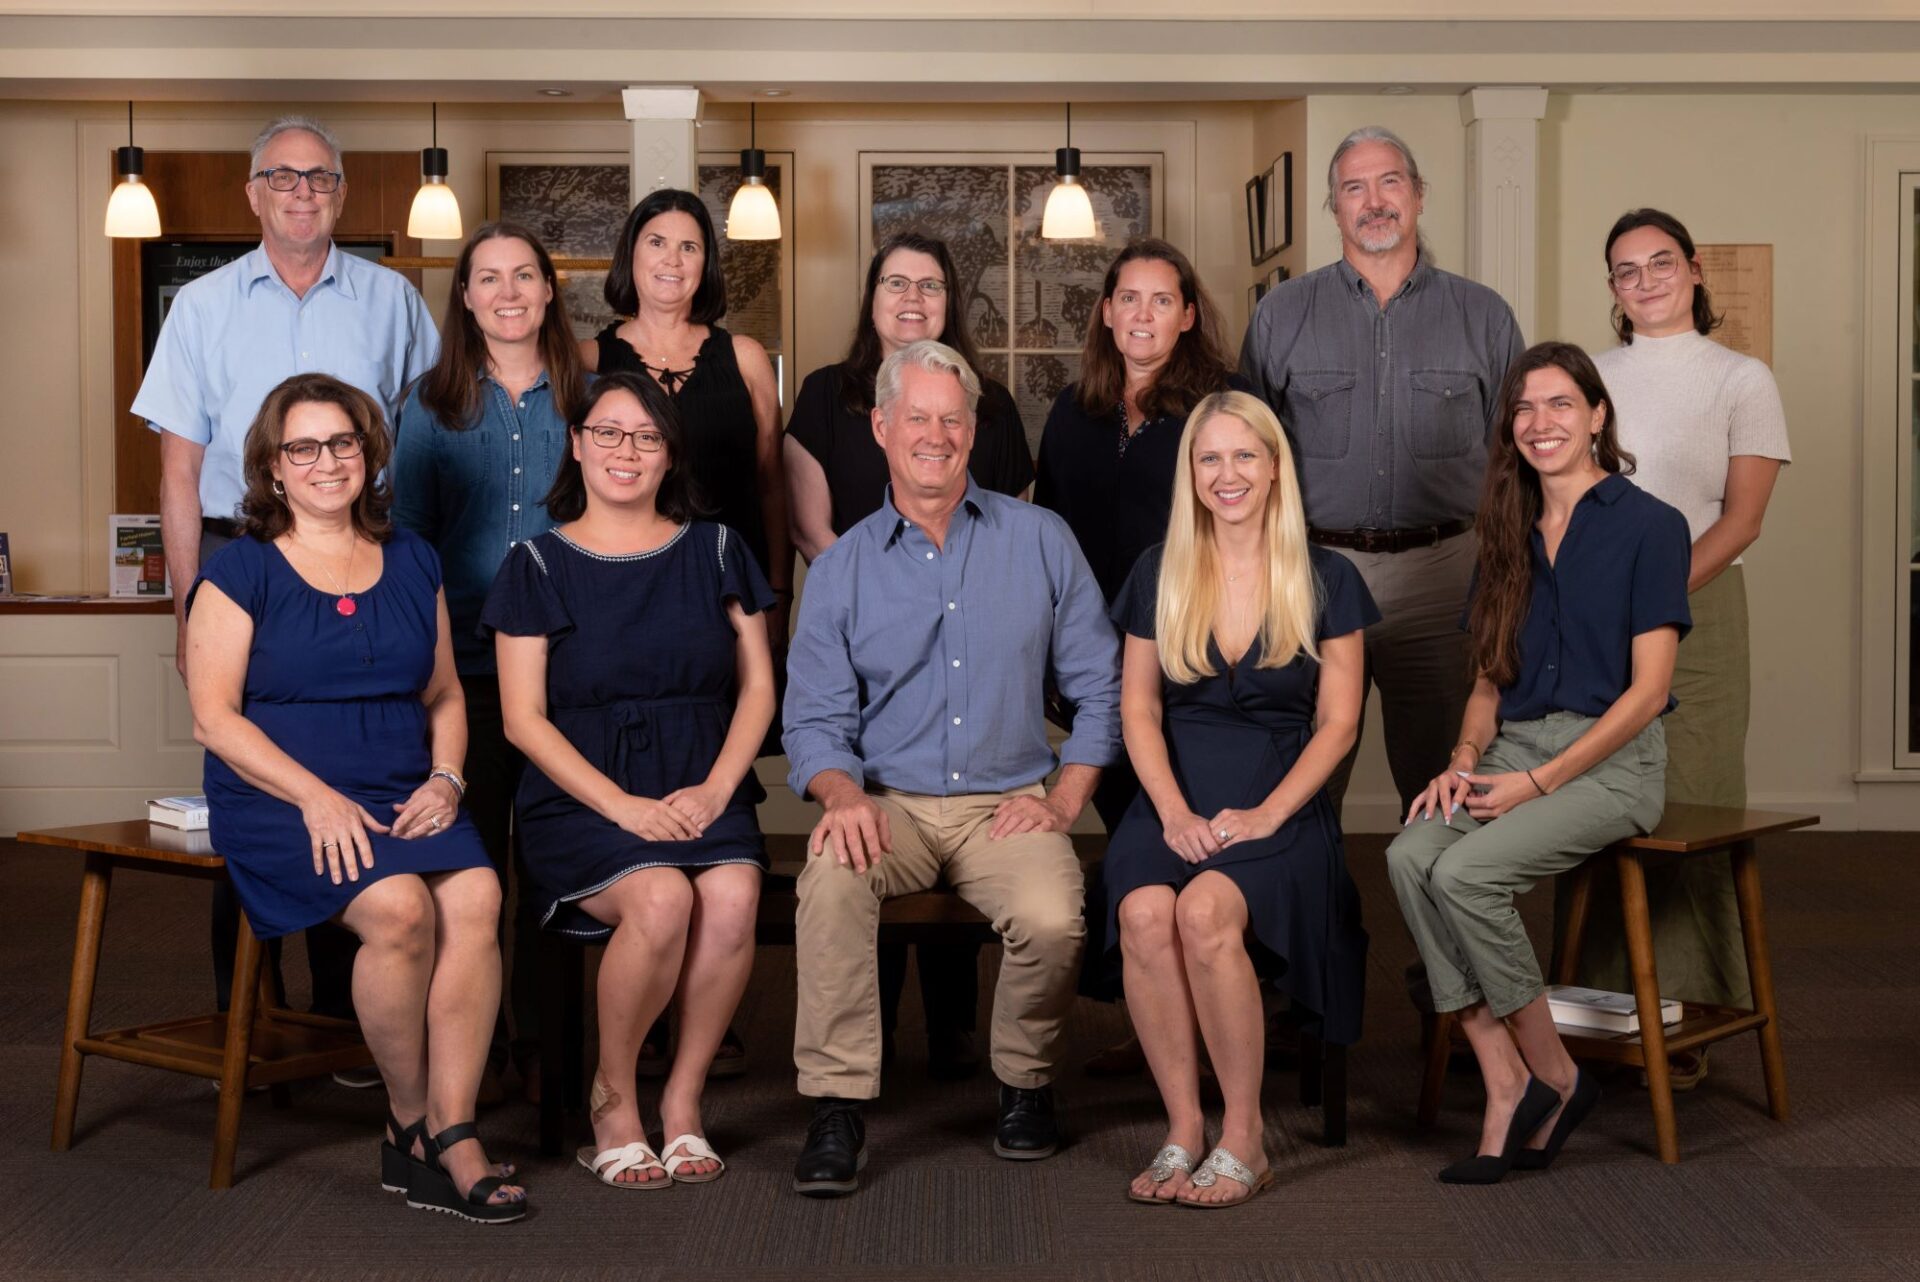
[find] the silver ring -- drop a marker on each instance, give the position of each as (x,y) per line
(435,821)
(1223,834)
(328,845)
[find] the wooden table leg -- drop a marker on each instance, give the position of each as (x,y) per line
(1753,930)
(95,882)
(238,1050)
(1646,992)
(1439,1048)
(1573,931)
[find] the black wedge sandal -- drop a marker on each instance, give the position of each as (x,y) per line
(431,1188)
(396,1158)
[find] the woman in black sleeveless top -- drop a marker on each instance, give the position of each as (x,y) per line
(666,281)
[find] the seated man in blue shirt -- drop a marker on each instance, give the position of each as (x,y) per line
(914,716)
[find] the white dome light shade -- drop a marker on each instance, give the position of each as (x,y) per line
(131,213)
(1069,213)
(436,212)
(753,215)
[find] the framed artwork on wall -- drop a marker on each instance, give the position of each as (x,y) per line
(1270,209)
(1027,301)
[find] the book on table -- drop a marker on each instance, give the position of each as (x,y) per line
(189,813)
(1606,1011)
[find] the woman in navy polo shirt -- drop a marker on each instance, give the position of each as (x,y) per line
(1577,611)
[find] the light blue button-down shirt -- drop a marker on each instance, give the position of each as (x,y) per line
(234,334)
(923,668)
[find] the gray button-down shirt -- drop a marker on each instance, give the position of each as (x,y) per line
(923,669)
(1388,408)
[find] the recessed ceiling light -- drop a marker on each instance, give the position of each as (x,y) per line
(776,93)
(1396,90)
(556,93)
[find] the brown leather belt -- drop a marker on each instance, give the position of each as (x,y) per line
(225,529)
(1424,536)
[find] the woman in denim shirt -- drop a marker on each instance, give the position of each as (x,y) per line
(480,437)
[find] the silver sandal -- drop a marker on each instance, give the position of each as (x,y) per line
(1168,1160)
(1219,1163)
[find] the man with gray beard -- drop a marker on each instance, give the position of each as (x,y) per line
(1385,371)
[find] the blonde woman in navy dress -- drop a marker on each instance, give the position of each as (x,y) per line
(325,693)
(1240,693)
(637,676)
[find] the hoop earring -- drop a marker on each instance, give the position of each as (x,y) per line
(279,490)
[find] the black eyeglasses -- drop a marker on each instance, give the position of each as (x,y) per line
(930,287)
(321,182)
(645,439)
(306,451)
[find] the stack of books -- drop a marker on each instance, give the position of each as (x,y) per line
(189,813)
(1597,1008)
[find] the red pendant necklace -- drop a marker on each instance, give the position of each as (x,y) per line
(344,605)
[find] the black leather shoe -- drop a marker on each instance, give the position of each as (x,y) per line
(836,1150)
(1586,1093)
(951,1056)
(1536,1106)
(1028,1131)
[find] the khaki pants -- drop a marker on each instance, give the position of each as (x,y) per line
(1456,881)
(1697,944)
(1419,658)
(1028,886)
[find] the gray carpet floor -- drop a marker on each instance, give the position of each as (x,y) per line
(1835,1193)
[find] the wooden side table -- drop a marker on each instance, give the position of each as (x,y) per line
(257,1043)
(1683,832)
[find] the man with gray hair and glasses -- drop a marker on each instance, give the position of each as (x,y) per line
(915,717)
(297,304)
(1385,371)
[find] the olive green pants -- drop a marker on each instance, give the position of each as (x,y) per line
(1456,878)
(1696,919)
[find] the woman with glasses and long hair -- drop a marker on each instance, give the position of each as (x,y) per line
(325,692)
(837,476)
(836,471)
(1240,693)
(1578,606)
(636,676)
(480,438)
(1707,428)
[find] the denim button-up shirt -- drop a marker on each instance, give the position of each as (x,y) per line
(234,334)
(1388,407)
(923,668)
(474,494)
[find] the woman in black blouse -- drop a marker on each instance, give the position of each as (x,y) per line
(837,476)
(1108,451)
(836,472)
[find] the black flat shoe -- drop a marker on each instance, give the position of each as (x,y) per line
(431,1188)
(835,1152)
(1535,1107)
(1028,1130)
(1586,1093)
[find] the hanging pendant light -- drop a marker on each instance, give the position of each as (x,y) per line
(436,212)
(1069,214)
(753,214)
(131,213)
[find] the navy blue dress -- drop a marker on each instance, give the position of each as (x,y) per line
(1231,738)
(340,694)
(641,680)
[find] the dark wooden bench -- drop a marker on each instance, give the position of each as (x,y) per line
(1684,832)
(933,916)
(257,1042)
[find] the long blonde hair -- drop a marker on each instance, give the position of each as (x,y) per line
(1188,596)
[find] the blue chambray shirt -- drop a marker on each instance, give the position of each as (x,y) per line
(923,669)
(234,334)
(474,494)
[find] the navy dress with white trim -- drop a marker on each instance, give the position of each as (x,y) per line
(641,679)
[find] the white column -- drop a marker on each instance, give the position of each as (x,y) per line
(1503,194)
(665,151)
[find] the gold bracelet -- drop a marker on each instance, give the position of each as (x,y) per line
(1468,743)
